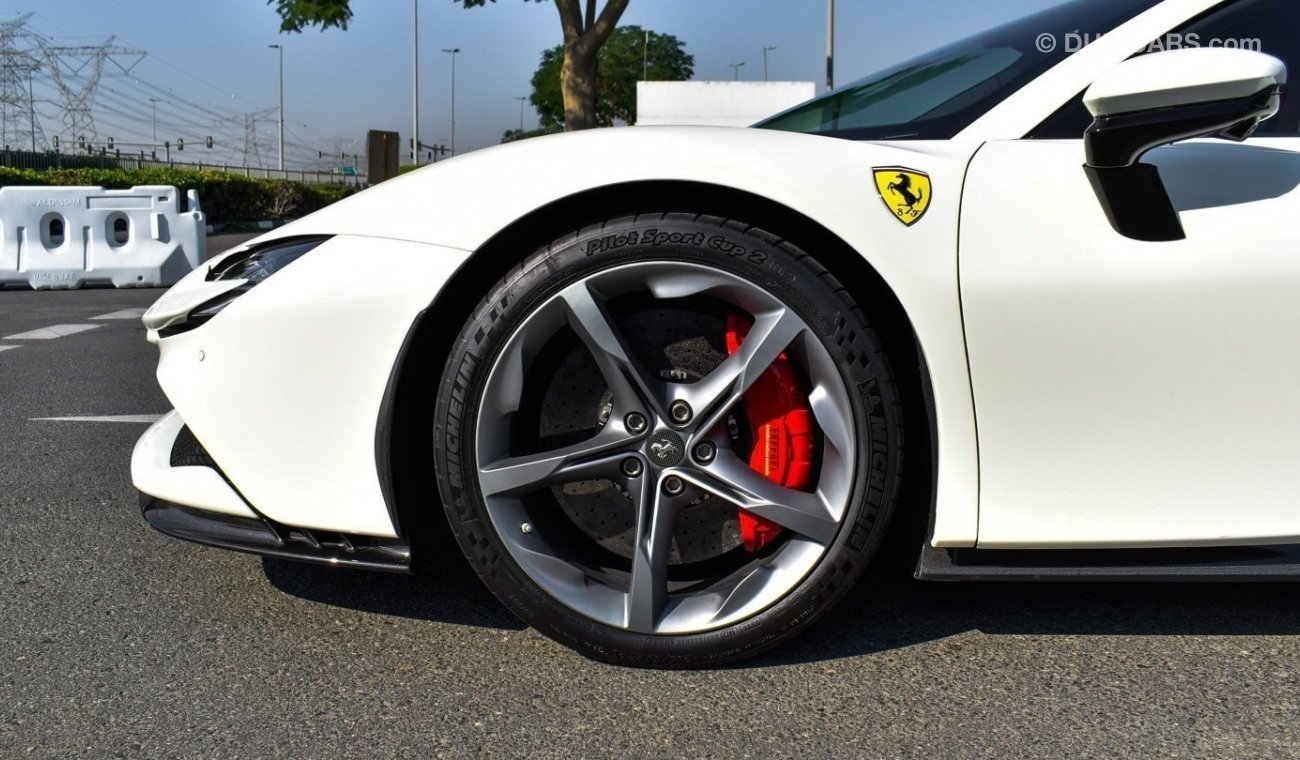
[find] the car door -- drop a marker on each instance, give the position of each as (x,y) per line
(1134,393)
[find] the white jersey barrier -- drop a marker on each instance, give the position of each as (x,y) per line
(66,237)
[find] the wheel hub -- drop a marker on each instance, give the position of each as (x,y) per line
(665,448)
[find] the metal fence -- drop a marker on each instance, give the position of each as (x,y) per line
(22,159)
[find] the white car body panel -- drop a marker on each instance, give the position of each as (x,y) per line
(199,487)
(1132,393)
(337,317)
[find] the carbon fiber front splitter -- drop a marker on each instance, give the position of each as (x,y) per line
(261,536)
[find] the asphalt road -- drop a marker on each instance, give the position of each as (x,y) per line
(118,641)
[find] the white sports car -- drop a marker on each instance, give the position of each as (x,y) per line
(661,380)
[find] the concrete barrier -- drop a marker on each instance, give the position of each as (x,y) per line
(721,104)
(66,237)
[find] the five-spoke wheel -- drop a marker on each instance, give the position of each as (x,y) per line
(667,452)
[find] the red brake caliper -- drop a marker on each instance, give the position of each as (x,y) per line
(780,422)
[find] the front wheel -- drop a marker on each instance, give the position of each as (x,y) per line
(668,440)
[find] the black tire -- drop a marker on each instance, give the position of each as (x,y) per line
(778,267)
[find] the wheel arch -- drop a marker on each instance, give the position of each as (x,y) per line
(404,443)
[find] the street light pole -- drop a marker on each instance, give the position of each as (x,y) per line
(415,83)
(522,99)
(153,106)
(280,48)
(765,49)
(453,52)
(830,45)
(735,70)
(31,105)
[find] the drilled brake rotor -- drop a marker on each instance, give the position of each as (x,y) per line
(676,343)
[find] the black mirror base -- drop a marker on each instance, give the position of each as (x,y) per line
(1136,202)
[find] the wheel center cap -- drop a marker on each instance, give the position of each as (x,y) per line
(666,448)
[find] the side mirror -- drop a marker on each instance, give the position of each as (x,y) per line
(1163,98)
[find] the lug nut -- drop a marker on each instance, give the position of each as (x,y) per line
(704,452)
(631,467)
(673,485)
(635,422)
(681,412)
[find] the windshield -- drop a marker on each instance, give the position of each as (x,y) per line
(934,96)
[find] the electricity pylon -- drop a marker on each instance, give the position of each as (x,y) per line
(76,72)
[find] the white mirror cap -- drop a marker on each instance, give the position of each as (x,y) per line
(1182,77)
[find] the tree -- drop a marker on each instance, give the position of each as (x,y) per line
(295,15)
(623,60)
(584,34)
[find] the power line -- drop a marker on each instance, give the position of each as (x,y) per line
(76,71)
(94,86)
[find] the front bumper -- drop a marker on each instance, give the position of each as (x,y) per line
(184,494)
(159,469)
(285,386)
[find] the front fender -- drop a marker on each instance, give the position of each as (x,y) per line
(463,202)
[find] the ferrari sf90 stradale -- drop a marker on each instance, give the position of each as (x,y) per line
(665,385)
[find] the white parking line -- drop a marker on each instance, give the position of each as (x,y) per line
(6,348)
(49,333)
(144,419)
(123,314)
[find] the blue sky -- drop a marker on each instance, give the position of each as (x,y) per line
(208,60)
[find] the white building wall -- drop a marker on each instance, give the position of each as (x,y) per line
(727,104)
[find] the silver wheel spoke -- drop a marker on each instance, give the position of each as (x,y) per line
(595,457)
(771,334)
(656,515)
(799,511)
(586,314)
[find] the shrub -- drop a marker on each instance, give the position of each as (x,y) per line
(224,197)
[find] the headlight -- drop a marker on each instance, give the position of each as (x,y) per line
(256,264)
(250,268)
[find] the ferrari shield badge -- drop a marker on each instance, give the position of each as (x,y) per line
(906,192)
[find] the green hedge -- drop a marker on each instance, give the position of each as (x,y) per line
(224,197)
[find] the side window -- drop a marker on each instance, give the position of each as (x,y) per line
(1269,26)
(1068,123)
